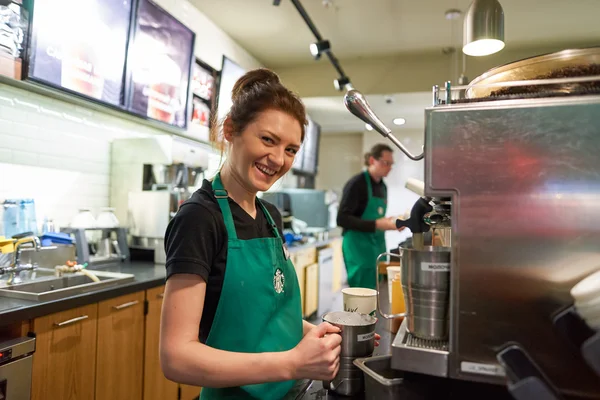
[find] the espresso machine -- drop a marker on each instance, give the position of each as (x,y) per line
(150,179)
(512,176)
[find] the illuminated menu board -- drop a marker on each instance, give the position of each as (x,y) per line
(160,62)
(81,46)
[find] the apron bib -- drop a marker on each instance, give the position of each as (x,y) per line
(259,309)
(360,249)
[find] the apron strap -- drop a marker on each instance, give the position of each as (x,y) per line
(222,198)
(369,187)
(269,219)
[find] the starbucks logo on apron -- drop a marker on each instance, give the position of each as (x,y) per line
(380,210)
(278,281)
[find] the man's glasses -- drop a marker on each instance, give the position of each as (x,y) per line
(386,163)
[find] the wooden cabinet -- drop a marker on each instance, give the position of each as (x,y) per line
(120,348)
(156,386)
(189,392)
(338,265)
(312,289)
(64,363)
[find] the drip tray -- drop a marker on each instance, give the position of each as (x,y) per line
(412,354)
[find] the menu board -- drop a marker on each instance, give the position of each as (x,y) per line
(230,73)
(160,64)
(80,45)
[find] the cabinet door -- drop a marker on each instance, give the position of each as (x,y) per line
(120,356)
(312,289)
(338,265)
(64,362)
(156,386)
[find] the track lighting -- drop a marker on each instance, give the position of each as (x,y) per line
(318,48)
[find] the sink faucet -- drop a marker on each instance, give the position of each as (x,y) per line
(16,265)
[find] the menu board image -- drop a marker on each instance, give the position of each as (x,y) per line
(161,57)
(201,113)
(203,82)
(81,45)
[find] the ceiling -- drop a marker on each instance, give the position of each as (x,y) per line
(333,116)
(278,37)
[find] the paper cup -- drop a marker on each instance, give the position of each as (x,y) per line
(391,272)
(360,300)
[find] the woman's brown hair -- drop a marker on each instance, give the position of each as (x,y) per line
(257,91)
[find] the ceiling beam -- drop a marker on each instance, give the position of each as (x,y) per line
(401,73)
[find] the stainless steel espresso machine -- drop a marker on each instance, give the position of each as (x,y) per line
(512,165)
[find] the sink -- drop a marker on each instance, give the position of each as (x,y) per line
(44,285)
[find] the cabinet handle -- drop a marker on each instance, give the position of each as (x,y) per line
(125,305)
(161,296)
(71,321)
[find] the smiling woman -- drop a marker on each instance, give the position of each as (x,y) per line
(231,318)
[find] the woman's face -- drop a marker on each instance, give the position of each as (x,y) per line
(265,150)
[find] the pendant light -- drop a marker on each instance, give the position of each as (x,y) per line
(483,28)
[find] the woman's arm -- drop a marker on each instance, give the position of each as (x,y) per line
(185,360)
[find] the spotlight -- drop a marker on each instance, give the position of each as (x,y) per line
(399,121)
(341,83)
(368,127)
(318,48)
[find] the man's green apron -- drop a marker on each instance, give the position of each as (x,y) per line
(361,249)
(259,309)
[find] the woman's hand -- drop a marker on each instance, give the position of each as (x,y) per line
(317,356)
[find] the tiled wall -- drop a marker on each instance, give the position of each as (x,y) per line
(57,153)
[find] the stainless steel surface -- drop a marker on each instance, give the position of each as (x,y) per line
(417,355)
(530,68)
(349,379)
(381,381)
(19,248)
(46,286)
(484,20)
(425,278)
(358,332)
(15,372)
(357,104)
(525,194)
(48,256)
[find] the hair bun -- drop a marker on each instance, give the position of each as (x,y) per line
(253,78)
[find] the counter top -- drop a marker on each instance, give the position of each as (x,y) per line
(147,275)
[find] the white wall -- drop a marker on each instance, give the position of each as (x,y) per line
(59,154)
(340,157)
(400,199)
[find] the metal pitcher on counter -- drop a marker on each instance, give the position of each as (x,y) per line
(425,278)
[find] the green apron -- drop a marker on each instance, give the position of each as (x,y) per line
(361,249)
(259,309)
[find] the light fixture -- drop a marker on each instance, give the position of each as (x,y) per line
(368,127)
(318,48)
(452,14)
(341,83)
(483,28)
(399,121)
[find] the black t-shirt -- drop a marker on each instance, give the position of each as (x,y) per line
(196,242)
(354,202)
